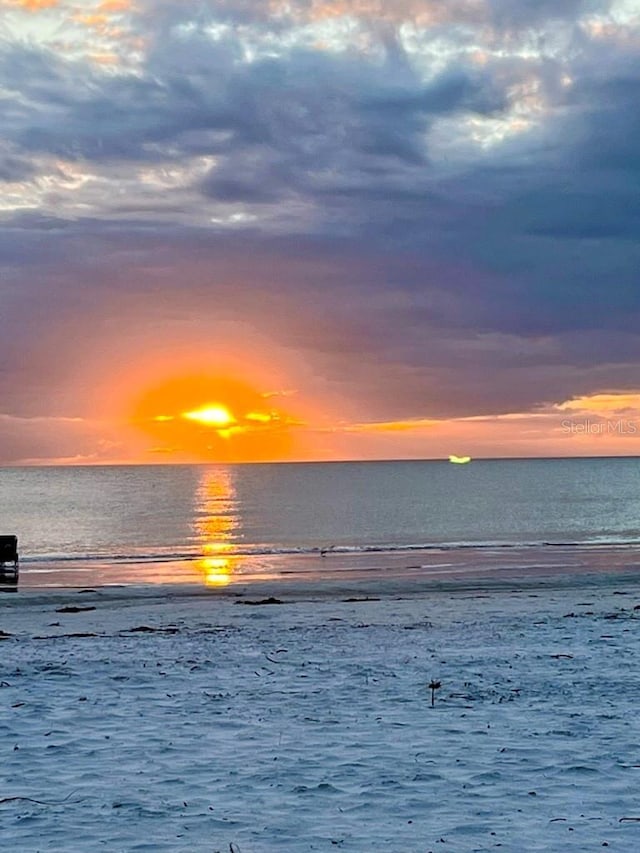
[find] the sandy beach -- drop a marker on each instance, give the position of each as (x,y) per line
(275,717)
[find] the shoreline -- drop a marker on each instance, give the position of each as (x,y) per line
(411,573)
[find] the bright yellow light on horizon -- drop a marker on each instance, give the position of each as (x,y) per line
(216,416)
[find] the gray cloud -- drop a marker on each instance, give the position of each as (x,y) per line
(14,169)
(416,280)
(275,17)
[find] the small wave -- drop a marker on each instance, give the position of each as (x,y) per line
(266,550)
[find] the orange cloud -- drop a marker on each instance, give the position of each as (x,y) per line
(104,58)
(603,404)
(95,19)
(101,23)
(390,426)
(111,6)
(31,5)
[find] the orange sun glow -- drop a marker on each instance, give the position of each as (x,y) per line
(214,419)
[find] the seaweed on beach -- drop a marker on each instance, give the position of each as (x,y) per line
(357,599)
(73,608)
(270,600)
(77,634)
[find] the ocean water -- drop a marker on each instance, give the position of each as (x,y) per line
(185,521)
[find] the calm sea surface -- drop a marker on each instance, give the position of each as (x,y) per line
(161,522)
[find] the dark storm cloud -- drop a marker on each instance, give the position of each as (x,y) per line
(565,227)
(320,133)
(94,117)
(290,117)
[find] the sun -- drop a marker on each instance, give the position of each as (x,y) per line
(212,415)
(218,419)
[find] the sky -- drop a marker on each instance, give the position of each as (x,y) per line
(239,230)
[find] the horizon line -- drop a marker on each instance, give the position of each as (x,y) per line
(200,463)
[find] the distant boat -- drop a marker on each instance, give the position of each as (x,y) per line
(460,460)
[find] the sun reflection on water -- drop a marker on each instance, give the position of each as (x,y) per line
(216,526)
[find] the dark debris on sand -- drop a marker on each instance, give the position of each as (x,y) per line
(72,608)
(148,629)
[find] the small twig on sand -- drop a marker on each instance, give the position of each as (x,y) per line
(272,659)
(637,819)
(41,802)
(433,686)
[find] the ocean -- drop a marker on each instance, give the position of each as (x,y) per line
(128,524)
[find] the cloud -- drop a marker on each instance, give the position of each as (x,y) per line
(30,5)
(53,440)
(275,15)
(435,213)
(14,169)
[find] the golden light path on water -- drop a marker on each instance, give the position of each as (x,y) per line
(216,526)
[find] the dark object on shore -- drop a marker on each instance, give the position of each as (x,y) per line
(66,636)
(72,608)
(9,560)
(433,686)
(355,599)
(270,600)
(9,551)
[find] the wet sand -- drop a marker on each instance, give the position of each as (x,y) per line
(408,569)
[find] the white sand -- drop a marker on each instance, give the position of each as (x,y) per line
(307,725)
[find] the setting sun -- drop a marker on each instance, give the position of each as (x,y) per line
(215,415)
(215,419)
